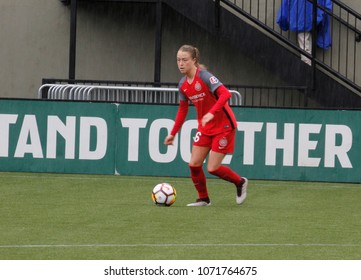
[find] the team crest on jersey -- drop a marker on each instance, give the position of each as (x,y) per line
(198,86)
(223,142)
(213,80)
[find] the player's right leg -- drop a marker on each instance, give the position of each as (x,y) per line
(198,156)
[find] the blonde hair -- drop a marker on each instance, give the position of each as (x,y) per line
(194,52)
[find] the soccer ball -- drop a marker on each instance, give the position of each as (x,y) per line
(164,194)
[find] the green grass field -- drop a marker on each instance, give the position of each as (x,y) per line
(63,216)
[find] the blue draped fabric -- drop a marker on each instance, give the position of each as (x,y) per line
(296,16)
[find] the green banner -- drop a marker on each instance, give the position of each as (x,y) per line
(141,132)
(281,144)
(127,139)
(291,144)
(67,137)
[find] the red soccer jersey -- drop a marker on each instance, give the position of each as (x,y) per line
(207,94)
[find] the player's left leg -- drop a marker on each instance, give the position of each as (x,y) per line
(224,172)
(216,168)
(222,145)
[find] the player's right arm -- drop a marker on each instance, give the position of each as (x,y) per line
(169,140)
(179,120)
(181,114)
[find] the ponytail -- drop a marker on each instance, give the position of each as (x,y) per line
(197,56)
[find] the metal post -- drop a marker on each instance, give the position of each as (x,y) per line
(314,43)
(158,42)
(72,46)
(217,13)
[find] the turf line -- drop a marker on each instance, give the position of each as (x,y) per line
(173,245)
(94,177)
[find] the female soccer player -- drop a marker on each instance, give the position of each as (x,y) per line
(216,125)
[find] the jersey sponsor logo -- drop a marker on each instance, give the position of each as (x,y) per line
(198,86)
(213,80)
(197,97)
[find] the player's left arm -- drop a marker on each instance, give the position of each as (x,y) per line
(223,96)
(217,88)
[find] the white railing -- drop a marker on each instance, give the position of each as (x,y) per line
(118,93)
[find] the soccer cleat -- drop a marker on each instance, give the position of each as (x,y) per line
(201,202)
(242,191)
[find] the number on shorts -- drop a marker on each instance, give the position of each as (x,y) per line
(197,137)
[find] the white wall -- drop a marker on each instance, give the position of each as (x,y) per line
(34,38)
(115,42)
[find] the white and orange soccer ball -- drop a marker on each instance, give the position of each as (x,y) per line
(164,194)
